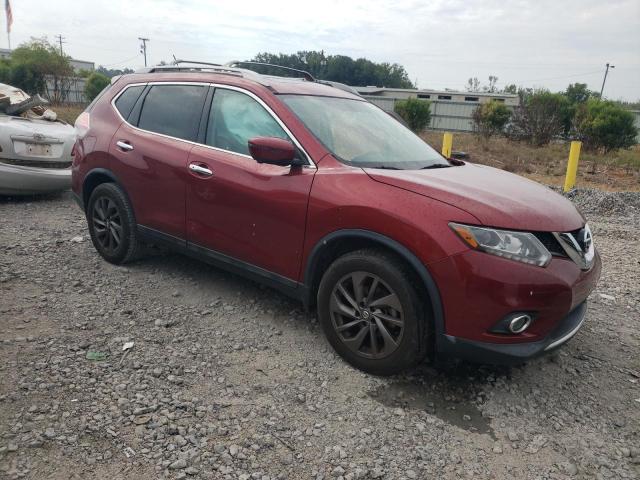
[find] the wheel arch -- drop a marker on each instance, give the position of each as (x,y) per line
(337,243)
(94,178)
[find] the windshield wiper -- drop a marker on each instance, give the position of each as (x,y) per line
(435,165)
(382,167)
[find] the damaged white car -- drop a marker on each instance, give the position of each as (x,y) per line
(35,147)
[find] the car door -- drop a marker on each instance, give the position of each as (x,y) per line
(254,213)
(152,148)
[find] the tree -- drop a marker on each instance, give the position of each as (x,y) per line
(5,71)
(539,118)
(490,118)
(473,85)
(113,72)
(578,93)
(35,62)
(337,68)
(416,112)
(96,82)
(491,87)
(605,126)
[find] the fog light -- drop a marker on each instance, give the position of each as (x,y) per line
(519,324)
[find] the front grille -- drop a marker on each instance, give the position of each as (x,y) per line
(37,163)
(580,237)
(551,244)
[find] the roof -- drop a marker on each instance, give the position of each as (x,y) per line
(245,78)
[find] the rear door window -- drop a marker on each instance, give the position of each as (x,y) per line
(173,110)
(127,100)
(235,118)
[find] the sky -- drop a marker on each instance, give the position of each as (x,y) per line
(441,43)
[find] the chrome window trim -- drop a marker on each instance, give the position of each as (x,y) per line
(310,162)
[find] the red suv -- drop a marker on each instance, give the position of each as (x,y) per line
(305,186)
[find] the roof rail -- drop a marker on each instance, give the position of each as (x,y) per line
(306,75)
(198,67)
(177,61)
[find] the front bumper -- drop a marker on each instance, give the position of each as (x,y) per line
(514,353)
(21,180)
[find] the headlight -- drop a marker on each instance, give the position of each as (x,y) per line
(521,246)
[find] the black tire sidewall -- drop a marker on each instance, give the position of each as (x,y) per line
(412,348)
(115,194)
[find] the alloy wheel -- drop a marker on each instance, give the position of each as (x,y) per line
(107,224)
(367,315)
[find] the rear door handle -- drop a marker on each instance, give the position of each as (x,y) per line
(200,170)
(124,145)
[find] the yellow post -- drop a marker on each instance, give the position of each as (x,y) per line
(447,143)
(572,166)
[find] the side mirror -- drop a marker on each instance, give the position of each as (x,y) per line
(272,150)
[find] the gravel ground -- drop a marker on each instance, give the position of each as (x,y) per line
(226,379)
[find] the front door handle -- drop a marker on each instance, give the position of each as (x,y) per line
(200,170)
(127,147)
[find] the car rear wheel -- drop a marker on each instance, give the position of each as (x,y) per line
(112,224)
(371,312)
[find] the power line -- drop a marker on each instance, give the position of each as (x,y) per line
(120,63)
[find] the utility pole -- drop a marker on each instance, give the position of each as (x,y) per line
(143,48)
(605,78)
(60,41)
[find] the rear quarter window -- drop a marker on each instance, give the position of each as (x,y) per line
(127,100)
(173,110)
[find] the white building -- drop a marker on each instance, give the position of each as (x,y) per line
(450,110)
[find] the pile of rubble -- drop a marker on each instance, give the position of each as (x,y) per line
(14,101)
(593,201)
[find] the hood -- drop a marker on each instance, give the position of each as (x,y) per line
(496,198)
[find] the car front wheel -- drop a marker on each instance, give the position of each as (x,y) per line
(371,313)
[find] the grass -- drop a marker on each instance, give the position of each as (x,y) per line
(616,171)
(68,113)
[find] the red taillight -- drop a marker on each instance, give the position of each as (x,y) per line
(82,124)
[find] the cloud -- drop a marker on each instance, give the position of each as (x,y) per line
(440,43)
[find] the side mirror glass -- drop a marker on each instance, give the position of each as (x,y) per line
(272,150)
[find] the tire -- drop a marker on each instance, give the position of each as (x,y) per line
(109,211)
(396,330)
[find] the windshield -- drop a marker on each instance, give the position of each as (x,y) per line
(361,134)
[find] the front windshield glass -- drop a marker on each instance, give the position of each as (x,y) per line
(361,134)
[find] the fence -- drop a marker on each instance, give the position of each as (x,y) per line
(71,91)
(445,115)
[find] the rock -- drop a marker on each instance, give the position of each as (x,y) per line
(162,322)
(538,442)
(142,419)
(178,464)
(338,471)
